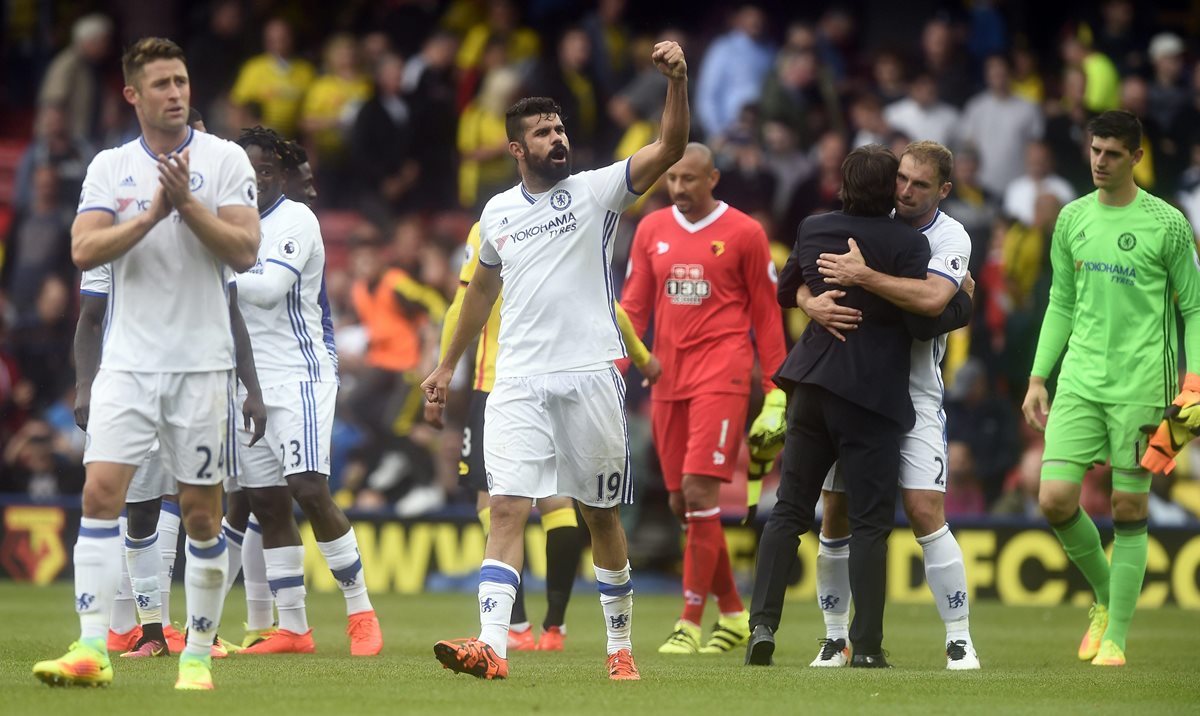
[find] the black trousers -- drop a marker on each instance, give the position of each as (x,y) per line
(823,428)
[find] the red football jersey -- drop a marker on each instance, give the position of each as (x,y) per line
(707,284)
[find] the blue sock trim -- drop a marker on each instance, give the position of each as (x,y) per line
(615,590)
(835,543)
(99,532)
(285,582)
(172,507)
(347,574)
(252,525)
(207,552)
(498,575)
(233,535)
(135,543)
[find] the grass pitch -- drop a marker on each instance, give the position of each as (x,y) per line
(1028,656)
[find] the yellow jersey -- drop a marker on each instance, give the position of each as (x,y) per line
(277,86)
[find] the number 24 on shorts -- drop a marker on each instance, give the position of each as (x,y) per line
(612,483)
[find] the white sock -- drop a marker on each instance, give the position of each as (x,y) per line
(285,575)
(97,570)
(204,582)
(616,597)
(168,545)
(143,559)
(234,540)
(497,592)
(342,557)
(260,613)
(520,627)
(124,613)
(833,586)
(947,578)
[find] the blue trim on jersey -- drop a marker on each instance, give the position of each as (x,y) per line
(233,535)
(927,227)
(99,532)
(286,582)
(629,178)
(97,294)
(610,226)
(498,575)
(208,552)
(615,590)
(135,543)
(327,325)
(287,266)
(528,197)
(946,276)
(96,208)
(264,214)
(348,574)
(309,400)
(172,507)
(180,148)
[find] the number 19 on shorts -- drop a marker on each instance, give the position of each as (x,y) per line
(609,485)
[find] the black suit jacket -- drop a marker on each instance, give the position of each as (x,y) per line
(871,368)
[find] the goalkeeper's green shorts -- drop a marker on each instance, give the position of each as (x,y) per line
(1083,432)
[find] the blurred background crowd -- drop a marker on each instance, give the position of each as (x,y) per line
(401,103)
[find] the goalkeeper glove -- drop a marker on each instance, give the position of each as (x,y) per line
(1180,424)
(765,442)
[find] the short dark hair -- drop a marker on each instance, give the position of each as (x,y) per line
(527,107)
(869,181)
(194,116)
(265,139)
(292,155)
(145,51)
(1119,124)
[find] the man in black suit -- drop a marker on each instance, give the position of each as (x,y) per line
(848,402)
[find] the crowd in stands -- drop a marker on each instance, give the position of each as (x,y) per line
(401,108)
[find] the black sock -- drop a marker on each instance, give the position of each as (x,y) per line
(153,631)
(518,610)
(564,545)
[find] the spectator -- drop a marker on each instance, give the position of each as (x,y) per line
(76,78)
(486,168)
(276,80)
(429,81)
(38,246)
(787,163)
(985,424)
(1167,94)
(867,122)
(1020,496)
(214,56)
(799,95)
(1039,178)
(381,144)
(566,77)
(922,114)
(1027,80)
(33,466)
(732,72)
(944,62)
(888,74)
(1135,98)
(609,37)
(42,343)
(821,191)
(1189,187)
(995,122)
(964,496)
(1066,132)
(503,28)
(329,110)
(1118,37)
(1103,86)
(637,106)
(971,205)
(54,146)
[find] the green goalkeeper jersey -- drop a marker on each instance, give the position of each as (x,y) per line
(1117,275)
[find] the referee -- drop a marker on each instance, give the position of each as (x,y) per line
(848,402)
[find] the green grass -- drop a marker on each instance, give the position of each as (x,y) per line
(1028,656)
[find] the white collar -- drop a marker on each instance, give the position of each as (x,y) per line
(703,223)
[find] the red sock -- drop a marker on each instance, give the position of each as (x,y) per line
(704,541)
(728,599)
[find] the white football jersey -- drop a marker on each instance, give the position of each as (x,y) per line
(950,249)
(554,251)
(293,340)
(168,307)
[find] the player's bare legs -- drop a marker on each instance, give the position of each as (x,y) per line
(610,556)
(283,554)
(339,546)
(244,535)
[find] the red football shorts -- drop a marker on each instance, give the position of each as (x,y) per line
(699,436)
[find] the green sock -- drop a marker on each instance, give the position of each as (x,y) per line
(1081,541)
(1128,571)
